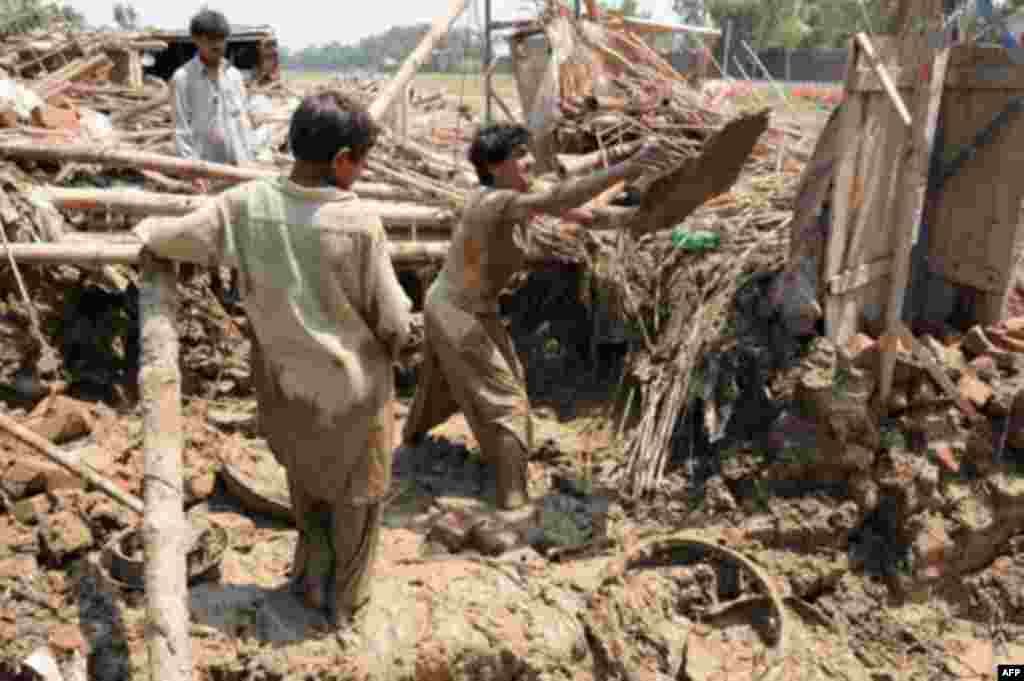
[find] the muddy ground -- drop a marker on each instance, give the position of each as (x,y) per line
(895,559)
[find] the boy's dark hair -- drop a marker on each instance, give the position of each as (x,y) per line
(327,122)
(494,144)
(209,23)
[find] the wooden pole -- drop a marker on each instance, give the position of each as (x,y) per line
(488,71)
(165,532)
(83,253)
(139,202)
(412,63)
(55,454)
(883,75)
(163,163)
(725,49)
(908,211)
(122,117)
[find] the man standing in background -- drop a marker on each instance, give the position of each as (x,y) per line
(208,97)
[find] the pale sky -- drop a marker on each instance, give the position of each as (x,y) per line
(304,22)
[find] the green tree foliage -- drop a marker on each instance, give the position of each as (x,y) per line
(794,23)
(393,45)
(19,16)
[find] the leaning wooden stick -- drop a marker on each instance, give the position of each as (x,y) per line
(884,77)
(48,449)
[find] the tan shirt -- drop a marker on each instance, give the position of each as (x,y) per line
(484,253)
(318,285)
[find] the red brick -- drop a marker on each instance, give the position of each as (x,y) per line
(946,456)
(974,390)
(67,637)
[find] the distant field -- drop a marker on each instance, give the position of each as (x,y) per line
(804,102)
(468,87)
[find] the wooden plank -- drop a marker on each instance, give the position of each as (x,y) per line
(983,277)
(805,235)
(869,239)
(843,188)
(978,77)
(909,207)
(852,279)
(976,230)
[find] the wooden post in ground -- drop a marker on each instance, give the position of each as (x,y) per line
(164,529)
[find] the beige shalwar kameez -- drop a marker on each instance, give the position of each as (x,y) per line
(329,317)
(469,361)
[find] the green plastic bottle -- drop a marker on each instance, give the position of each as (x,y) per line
(698,241)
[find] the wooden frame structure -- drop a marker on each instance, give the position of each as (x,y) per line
(970,229)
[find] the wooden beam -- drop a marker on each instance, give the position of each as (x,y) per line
(145,203)
(850,280)
(412,63)
(883,75)
(649,26)
(163,163)
(55,454)
(165,532)
(89,253)
(909,207)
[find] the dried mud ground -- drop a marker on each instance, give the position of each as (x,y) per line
(849,611)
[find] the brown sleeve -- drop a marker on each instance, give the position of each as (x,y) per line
(204,236)
(389,308)
(489,212)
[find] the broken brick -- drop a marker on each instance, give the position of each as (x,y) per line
(28,511)
(859,344)
(450,531)
(977,343)
(64,534)
(17,566)
(8,118)
(67,638)
(23,479)
(985,367)
(946,456)
(55,118)
(974,390)
(1015,427)
(200,487)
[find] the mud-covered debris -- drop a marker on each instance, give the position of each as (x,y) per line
(22,479)
(974,390)
(200,486)
(64,535)
(30,510)
(451,530)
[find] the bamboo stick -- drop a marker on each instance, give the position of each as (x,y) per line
(585,163)
(172,165)
(138,202)
(54,453)
(165,532)
(380,107)
(883,75)
(89,253)
(72,71)
(122,117)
